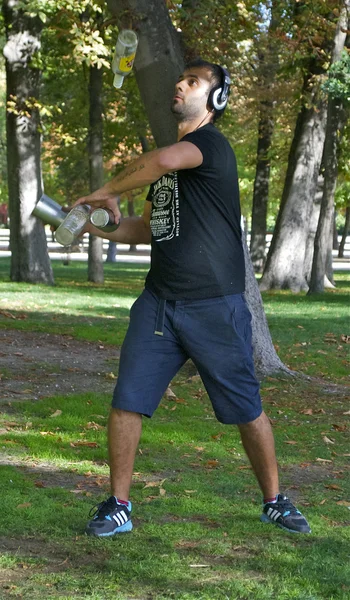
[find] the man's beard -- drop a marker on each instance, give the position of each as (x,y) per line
(184,112)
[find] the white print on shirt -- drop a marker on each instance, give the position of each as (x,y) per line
(165,215)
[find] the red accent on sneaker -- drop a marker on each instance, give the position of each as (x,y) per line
(270,500)
(122,501)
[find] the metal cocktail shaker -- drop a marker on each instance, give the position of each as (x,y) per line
(49,211)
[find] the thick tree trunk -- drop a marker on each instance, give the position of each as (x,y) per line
(335,122)
(285,261)
(266,359)
(158,61)
(345,233)
(29,255)
(95,256)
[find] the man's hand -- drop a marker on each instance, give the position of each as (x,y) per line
(101,200)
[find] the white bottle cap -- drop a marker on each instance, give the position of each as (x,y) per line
(118,80)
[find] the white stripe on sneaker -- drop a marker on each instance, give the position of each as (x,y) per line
(123,516)
(117,520)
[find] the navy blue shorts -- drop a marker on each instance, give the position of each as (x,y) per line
(215,333)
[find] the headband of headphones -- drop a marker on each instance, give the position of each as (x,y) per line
(218,96)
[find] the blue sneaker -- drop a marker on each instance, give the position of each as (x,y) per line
(284,514)
(110,517)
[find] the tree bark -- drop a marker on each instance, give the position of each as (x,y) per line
(29,254)
(158,63)
(345,233)
(335,122)
(267,71)
(285,261)
(261,187)
(158,60)
(95,254)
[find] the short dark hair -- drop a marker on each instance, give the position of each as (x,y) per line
(215,77)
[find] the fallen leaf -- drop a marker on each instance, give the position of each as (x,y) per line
(39,484)
(218,435)
(327,440)
(57,413)
(46,433)
(24,505)
(323,460)
(323,501)
(162,491)
(199,448)
(190,491)
(344,503)
(333,486)
(200,566)
(88,444)
(7,314)
(347,412)
(307,411)
(18,353)
(290,442)
(94,426)
(110,376)
(211,463)
(169,393)
(339,427)
(300,327)
(154,484)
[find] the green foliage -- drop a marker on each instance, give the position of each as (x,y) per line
(338,83)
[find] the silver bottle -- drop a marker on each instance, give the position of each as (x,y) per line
(103,219)
(72,225)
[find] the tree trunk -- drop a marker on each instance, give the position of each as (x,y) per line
(335,122)
(95,255)
(345,233)
(266,359)
(261,187)
(29,255)
(285,261)
(158,63)
(335,232)
(268,63)
(314,217)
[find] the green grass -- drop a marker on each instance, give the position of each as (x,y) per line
(196,512)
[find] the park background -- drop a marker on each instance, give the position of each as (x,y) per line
(64,130)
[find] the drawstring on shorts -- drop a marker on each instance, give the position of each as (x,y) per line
(159,330)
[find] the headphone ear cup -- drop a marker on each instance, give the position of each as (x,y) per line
(217,105)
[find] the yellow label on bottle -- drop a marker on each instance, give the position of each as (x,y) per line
(126,63)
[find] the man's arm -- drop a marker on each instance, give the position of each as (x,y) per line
(132,230)
(143,171)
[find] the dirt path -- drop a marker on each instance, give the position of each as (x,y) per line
(35,365)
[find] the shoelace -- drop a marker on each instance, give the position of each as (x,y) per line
(104,508)
(284,505)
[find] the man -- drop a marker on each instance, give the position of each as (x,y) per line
(193,304)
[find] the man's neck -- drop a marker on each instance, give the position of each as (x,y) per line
(185,127)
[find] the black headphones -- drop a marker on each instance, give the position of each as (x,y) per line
(218,96)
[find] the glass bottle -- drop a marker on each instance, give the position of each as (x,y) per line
(124,55)
(72,225)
